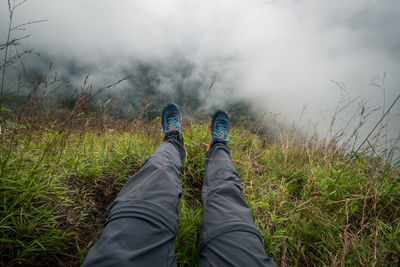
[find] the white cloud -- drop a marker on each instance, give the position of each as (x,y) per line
(281,54)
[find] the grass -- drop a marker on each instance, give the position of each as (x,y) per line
(314,203)
(56,185)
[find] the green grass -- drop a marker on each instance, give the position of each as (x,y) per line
(56,185)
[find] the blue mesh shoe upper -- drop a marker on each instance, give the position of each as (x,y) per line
(171,118)
(219,128)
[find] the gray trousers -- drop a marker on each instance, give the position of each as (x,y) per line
(142,221)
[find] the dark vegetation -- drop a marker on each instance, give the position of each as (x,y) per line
(60,170)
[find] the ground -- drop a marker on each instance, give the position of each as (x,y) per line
(310,205)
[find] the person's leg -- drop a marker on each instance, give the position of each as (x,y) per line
(142,221)
(229,235)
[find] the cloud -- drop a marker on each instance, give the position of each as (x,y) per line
(278,54)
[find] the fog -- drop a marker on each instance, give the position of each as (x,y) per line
(280,55)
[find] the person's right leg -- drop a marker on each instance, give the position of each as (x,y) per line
(229,235)
(142,220)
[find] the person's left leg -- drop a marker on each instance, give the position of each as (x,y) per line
(142,221)
(229,235)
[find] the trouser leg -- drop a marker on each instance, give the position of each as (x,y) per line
(142,221)
(229,235)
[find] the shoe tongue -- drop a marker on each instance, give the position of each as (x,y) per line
(171,119)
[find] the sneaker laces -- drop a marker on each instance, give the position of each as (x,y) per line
(174,122)
(219,131)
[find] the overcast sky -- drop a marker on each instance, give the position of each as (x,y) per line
(279,54)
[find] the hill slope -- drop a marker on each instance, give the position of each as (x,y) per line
(57,182)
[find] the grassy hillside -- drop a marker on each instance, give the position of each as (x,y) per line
(58,177)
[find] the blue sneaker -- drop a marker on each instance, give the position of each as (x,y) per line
(171,118)
(219,126)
